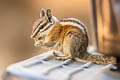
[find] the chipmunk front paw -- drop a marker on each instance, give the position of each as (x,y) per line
(58,46)
(37,44)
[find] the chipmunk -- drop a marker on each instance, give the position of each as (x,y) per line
(68,36)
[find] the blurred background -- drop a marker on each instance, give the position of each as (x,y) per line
(17,18)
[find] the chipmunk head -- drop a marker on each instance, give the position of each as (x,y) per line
(42,26)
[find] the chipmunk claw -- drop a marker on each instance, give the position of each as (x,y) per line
(59,58)
(63,58)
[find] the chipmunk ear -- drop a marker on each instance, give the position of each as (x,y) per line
(42,12)
(49,14)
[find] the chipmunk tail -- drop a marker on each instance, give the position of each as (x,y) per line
(99,59)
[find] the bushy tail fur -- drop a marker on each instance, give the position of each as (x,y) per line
(98,59)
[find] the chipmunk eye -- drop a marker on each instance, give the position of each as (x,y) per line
(41,27)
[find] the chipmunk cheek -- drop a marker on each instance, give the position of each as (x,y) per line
(35,39)
(46,40)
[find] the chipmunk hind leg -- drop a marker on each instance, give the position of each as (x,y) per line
(66,49)
(73,44)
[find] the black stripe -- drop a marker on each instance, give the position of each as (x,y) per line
(63,20)
(48,27)
(75,22)
(41,27)
(36,26)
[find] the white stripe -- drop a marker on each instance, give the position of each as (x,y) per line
(48,24)
(47,31)
(74,19)
(36,30)
(51,27)
(73,24)
(55,19)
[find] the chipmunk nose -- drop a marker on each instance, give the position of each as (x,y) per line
(40,38)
